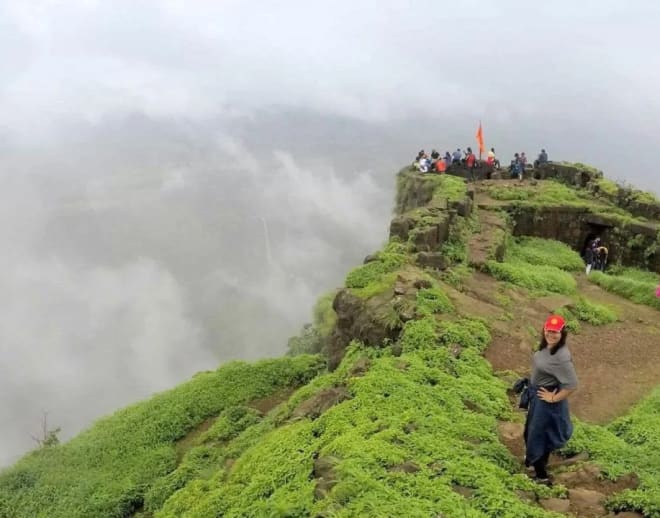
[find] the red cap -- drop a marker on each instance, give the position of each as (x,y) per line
(554,323)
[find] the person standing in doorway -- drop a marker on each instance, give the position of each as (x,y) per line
(548,426)
(589,259)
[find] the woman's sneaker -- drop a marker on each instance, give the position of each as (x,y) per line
(546,481)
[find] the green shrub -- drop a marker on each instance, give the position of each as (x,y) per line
(307,341)
(392,257)
(634,274)
(371,272)
(572,323)
(419,334)
(639,291)
(453,188)
(595,314)
(607,186)
(547,192)
(466,332)
(324,317)
(539,251)
(586,311)
(433,300)
(455,251)
(313,338)
(456,275)
(538,278)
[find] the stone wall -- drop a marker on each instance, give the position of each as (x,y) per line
(573,175)
(569,174)
(630,244)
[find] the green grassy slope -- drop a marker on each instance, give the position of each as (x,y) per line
(106,470)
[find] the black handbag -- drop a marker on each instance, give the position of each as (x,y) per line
(520,387)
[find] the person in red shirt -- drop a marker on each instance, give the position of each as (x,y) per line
(470,162)
(440,166)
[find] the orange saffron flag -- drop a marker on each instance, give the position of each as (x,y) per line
(480,139)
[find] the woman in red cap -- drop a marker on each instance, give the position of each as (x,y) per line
(553,380)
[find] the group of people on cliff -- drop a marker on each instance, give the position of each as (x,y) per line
(439,164)
(436,163)
(519,163)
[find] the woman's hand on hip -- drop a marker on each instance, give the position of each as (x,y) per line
(546,395)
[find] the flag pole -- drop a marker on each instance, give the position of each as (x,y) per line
(481,131)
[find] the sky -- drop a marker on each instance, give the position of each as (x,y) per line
(182,180)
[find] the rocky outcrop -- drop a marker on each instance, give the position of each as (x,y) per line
(375,321)
(414,190)
(428,226)
(320,402)
(324,476)
(576,175)
(363,320)
(425,229)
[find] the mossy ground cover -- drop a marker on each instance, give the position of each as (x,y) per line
(539,265)
(615,190)
(552,193)
(453,188)
(630,444)
(633,284)
(108,469)
(534,250)
(580,166)
(546,192)
(538,279)
(608,187)
(416,427)
(588,311)
(376,276)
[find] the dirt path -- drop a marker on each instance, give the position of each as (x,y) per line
(483,243)
(617,364)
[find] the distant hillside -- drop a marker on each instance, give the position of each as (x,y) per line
(396,400)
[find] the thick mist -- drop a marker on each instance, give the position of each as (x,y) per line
(142,253)
(181,181)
